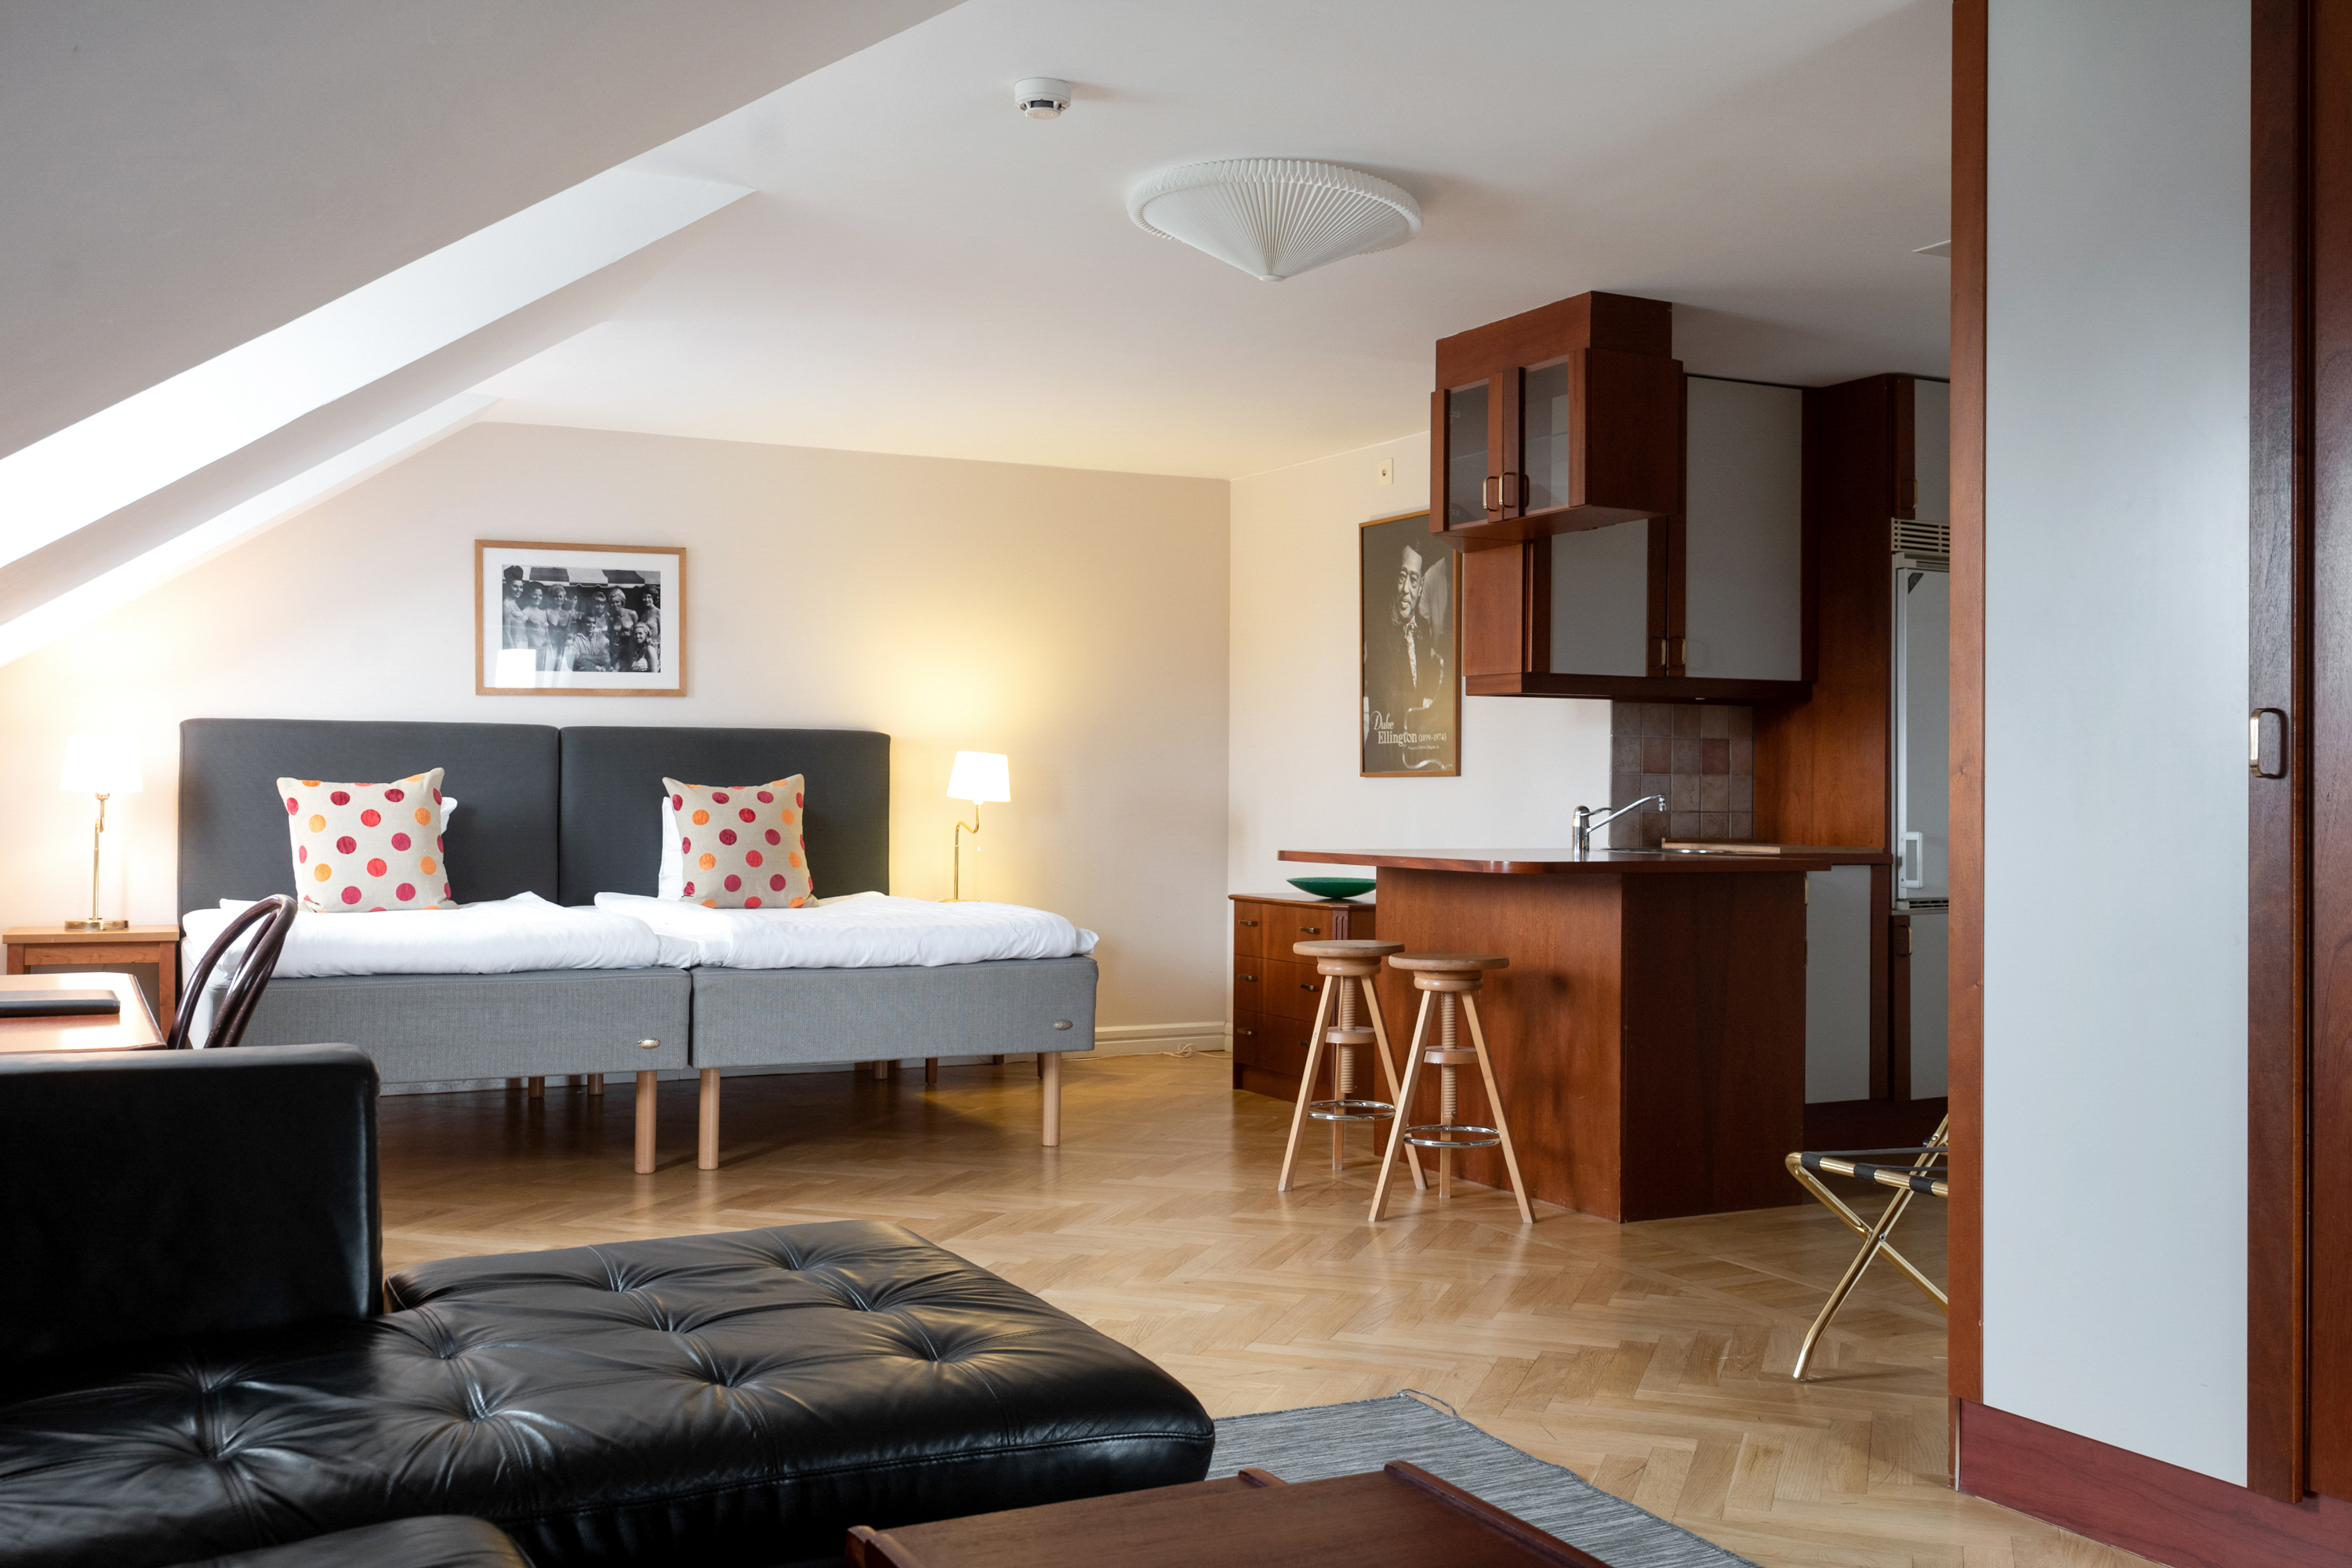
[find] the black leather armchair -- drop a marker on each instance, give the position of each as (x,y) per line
(194,1360)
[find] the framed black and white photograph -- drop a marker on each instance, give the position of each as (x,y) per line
(1411,591)
(578,620)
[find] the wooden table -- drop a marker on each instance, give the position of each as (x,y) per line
(1649,1034)
(131,1029)
(151,952)
(1400,1514)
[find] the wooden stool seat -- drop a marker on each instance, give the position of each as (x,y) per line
(1449,982)
(1348,968)
(1417,963)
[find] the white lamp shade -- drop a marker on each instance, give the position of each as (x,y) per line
(1274,218)
(100,764)
(980,775)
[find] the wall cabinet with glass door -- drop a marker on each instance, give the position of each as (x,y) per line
(1707,597)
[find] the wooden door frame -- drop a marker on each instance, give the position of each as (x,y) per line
(1965,1025)
(2278,1048)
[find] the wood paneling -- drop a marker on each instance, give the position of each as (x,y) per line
(1965,1031)
(2174,1516)
(2278,892)
(1822,767)
(1648,1036)
(2329,1337)
(1506,611)
(1870,1123)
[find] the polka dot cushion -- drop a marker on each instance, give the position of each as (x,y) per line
(361,848)
(743,844)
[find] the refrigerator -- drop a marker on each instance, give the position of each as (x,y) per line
(1922,781)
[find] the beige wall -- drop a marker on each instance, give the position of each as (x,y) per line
(1526,762)
(1076,621)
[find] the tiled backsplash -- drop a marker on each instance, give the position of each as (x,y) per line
(1700,756)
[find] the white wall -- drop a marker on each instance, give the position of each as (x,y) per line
(2115,669)
(1073,620)
(1526,762)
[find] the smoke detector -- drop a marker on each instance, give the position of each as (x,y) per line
(1041,97)
(1274,218)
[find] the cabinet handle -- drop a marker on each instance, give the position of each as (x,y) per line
(1514,490)
(1312,931)
(1239,1030)
(2254,742)
(1490,492)
(1248,977)
(1305,985)
(1246,923)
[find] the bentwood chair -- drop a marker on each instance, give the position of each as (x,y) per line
(1916,1170)
(275,915)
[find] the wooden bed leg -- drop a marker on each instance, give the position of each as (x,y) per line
(882,1066)
(646,1082)
(1049,1064)
(514,1083)
(930,1070)
(537,1088)
(597,1083)
(706,1136)
(998,1059)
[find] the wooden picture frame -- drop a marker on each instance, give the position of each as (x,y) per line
(1409,642)
(578,620)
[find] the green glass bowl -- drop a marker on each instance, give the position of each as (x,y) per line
(1334,887)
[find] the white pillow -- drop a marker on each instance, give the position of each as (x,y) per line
(671,881)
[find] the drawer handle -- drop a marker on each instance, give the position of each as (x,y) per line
(1246,923)
(1308,985)
(1239,1030)
(1312,931)
(649,1045)
(1248,977)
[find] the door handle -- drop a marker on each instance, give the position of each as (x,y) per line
(2254,742)
(1921,879)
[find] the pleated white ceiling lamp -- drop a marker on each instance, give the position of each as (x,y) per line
(1274,218)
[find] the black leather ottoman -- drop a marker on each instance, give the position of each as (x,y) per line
(733,1399)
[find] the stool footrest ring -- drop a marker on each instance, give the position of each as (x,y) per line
(1452,1135)
(1350,1109)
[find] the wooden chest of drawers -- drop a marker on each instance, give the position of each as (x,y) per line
(1274,991)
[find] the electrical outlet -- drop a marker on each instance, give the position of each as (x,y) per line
(1388,470)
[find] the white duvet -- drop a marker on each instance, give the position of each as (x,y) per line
(864,930)
(504,937)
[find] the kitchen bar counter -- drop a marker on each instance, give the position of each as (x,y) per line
(1650,1032)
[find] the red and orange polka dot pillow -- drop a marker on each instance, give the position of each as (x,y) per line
(743,844)
(361,848)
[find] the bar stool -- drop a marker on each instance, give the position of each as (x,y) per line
(1347,967)
(1451,981)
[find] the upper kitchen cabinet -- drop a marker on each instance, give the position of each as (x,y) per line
(1564,418)
(1710,600)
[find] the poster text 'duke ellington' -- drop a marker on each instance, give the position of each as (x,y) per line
(1411,712)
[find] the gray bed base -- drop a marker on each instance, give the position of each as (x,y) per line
(567,813)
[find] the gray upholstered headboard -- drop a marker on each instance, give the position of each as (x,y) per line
(612,777)
(232,841)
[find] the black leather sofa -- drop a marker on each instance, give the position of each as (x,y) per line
(196,1359)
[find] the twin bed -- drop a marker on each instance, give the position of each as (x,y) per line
(565,963)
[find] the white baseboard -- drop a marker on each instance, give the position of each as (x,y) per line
(1110,1040)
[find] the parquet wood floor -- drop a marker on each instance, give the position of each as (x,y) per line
(1652,1359)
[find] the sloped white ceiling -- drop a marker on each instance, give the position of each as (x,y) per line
(925,271)
(183,178)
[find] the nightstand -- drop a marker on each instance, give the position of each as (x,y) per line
(150,954)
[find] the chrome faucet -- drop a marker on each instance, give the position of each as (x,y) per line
(1586,822)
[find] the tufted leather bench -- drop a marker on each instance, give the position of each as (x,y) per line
(737,1398)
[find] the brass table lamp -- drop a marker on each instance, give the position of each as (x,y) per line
(976,776)
(101,765)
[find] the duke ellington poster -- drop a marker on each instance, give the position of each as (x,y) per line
(1411,713)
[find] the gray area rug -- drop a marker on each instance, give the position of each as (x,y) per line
(1326,1441)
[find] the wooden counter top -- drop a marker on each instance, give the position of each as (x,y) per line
(1545,862)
